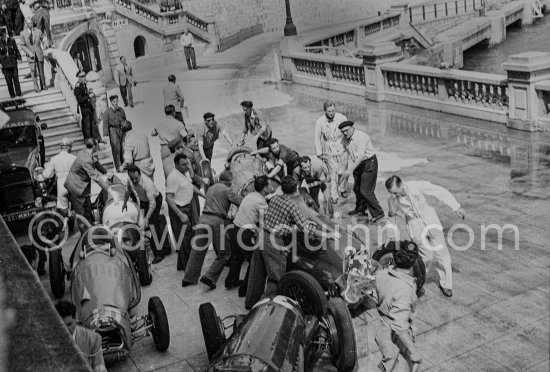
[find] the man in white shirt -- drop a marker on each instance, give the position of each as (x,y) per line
(188,44)
(59,166)
(179,192)
(364,167)
(423,224)
(328,147)
(171,132)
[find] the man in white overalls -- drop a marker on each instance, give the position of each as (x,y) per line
(423,224)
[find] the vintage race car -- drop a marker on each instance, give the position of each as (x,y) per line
(280,335)
(22,157)
(343,267)
(107,268)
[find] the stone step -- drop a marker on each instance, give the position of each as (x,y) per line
(38,103)
(69,131)
(41,98)
(59,123)
(50,107)
(21,82)
(52,146)
(23,70)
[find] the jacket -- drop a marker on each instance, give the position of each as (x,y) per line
(34,48)
(122,77)
(83,99)
(9,53)
(84,169)
(172,95)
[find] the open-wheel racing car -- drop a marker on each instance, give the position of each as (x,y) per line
(279,335)
(343,267)
(107,268)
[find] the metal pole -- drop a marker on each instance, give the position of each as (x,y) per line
(290,29)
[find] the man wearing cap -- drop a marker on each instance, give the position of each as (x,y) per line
(31,38)
(212,224)
(86,167)
(150,201)
(170,132)
(364,167)
(173,96)
(87,109)
(59,166)
(136,151)
(208,134)
(9,55)
(328,147)
(113,118)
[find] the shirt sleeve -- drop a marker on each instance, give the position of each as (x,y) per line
(234,198)
(301,221)
(49,170)
(171,184)
(91,170)
(317,140)
(441,193)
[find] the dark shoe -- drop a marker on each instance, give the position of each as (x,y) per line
(421,292)
(185,283)
(232,284)
(208,282)
(446,292)
(356,212)
(132,105)
(242,290)
(157,259)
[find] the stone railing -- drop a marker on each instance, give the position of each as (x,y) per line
(351,35)
(465,93)
(434,10)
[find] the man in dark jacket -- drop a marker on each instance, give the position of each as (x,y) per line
(82,95)
(10,7)
(113,118)
(9,55)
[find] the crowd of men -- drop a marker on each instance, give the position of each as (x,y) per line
(341,150)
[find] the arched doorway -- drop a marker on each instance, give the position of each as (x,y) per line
(85,52)
(139,46)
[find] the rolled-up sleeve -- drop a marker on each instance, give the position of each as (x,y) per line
(441,193)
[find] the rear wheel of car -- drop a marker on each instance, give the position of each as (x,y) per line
(159,320)
(145,277)
(342,335)
(303,288)
(57,273)
(212,329)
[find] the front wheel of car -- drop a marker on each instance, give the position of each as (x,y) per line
(145,277)
(57,273)
(159,320)
(306,290)
(212,329)
(342,335)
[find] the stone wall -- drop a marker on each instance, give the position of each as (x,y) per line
(154,43)
(233,15)
(432,28)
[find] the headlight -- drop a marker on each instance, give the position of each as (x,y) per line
(38,174)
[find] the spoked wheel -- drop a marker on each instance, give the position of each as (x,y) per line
(159,320)
(213,330)
(303,288)
(341,335)
(57,273)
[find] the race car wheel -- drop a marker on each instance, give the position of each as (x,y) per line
(384,257)
(341,335)
(145,277)
(236,151)
(212,329)
(159,320)
(303,288)
(57,273)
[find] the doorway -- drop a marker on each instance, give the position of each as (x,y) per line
(139,46)
(85,53)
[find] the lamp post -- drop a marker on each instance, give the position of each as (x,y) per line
(290,29)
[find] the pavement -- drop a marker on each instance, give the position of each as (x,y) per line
(498,317)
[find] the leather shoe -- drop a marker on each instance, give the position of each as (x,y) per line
(355,212)
(421,292)
(446,292)
(185,283)
(208,282)
(232,284)
(242,290)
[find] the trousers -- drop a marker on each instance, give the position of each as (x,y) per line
(189,52)
(238,254)
(392,343)
(364,177)
(154,221)
(182,234)
(116,139)
(334,164)
(37,66)
(126,93)
(12,80)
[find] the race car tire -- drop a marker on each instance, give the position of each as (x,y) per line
(159,320)
(212,329)
(384,256)
(236,151)
(57,273)
(145,277)
(342,335)
(303,288)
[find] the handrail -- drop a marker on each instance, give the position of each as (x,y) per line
(342,49)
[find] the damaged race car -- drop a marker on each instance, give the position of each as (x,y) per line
(279,335)
(343,267)
(107,268)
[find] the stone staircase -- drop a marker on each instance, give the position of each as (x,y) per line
(52,108)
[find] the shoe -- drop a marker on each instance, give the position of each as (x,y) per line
(208,282)
(446,292)
(356,212)
(132,105)
(376,219)
(157,259)
(421,292)
(344,194)
(242,291)
(232,284)
(185,283)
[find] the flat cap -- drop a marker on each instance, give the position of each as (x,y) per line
(208,115)
(347,123)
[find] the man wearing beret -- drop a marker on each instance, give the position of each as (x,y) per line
(364,167)
(208,134)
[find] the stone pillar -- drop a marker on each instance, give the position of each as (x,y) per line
(528,17)
(452,51)
(404,9)
(524,71)
(373,56)
(288,45)
(212,33)
(498,29)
